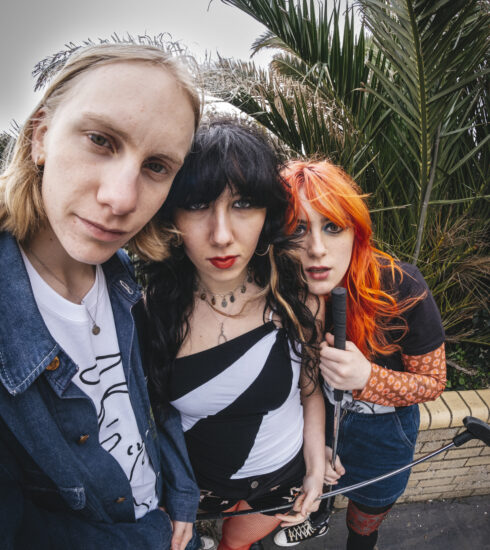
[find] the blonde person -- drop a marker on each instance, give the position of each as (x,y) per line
(82,465)
(232,337)
(394,357)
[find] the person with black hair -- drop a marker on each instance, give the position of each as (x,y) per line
(233,338)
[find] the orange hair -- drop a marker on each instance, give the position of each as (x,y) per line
(370,310)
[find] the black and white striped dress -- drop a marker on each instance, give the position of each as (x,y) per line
(240,406)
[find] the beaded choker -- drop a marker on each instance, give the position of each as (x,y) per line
(227,297)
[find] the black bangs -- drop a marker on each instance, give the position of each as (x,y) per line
(225,154)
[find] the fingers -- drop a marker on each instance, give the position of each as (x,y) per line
(298,503)
(181,535)
(328,351)
(338,467)
(345,369)
(333,355)
(331,479)
(309,503)
(332,475)
(293,518)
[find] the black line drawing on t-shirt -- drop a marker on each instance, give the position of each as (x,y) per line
(121,387)
(140,448)
(110,382)
(141,504)
(118,439)
(84,375)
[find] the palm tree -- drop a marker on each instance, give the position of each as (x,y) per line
(5,142)
(401,106)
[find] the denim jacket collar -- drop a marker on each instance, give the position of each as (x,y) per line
(26,345)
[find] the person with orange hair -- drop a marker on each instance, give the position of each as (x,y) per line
(394,355)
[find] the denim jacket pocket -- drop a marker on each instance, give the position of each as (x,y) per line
(73,496)
(53,499)
(45,493)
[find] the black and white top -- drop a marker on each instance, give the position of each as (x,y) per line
(240,406)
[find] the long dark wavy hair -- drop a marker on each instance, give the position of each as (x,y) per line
(226,154)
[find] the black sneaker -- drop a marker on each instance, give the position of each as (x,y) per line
(257,546)
(291,536)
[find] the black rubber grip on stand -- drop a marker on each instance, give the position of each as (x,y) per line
(475,429)
(339,316)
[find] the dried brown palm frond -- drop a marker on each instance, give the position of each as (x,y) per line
(456,264)
(307,122)
(45,69)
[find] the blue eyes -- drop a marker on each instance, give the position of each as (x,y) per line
(328,227)
(156,167)
(242,203)
(331,227)
(301,229)
(238,204)
(152,165)
(197,206)
(99,140)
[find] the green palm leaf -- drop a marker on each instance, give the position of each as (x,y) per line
(435,50)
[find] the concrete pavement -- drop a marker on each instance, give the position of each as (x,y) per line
(458,524)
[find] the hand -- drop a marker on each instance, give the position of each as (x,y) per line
(332,476)
(181,535)
(305,503)
(343,369)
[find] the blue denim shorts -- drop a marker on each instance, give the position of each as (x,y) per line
(370,445)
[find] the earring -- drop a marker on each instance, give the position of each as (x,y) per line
(40,160)
(264,253)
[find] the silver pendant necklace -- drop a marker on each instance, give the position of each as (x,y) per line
(95,327)
(211,303)
(222,336)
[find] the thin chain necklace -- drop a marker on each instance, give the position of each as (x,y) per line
(221,336)
(211,303)
(95,326)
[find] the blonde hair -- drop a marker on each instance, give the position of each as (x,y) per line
(21,206)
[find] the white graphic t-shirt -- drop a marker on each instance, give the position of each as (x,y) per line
(100,375)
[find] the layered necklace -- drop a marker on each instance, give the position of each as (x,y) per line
(211,300)
(95,326)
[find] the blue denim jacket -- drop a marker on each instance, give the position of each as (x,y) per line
(57,488)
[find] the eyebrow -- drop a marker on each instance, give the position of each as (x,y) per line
(109,125)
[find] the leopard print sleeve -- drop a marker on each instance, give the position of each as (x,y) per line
(424,379)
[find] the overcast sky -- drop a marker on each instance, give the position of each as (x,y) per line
(33,29)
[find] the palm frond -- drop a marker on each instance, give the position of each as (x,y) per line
(435,52)
(45,69)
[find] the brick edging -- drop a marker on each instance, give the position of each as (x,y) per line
(451,407)
(458,472)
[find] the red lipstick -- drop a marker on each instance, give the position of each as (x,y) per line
(223,262)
